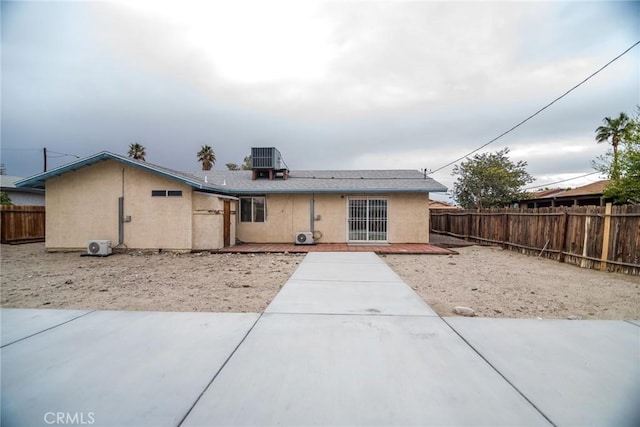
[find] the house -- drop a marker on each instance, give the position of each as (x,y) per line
(136,204)
(591,194)
(439,205)
(21,196)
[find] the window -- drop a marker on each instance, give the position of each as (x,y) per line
(252,209)
(166,193)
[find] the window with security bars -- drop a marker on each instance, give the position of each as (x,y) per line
(367,220)
(252,209)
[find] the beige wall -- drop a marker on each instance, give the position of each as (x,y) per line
(83,205)
(156,222)
(408,217)
(208,222)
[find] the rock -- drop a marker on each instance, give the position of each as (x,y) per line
(68,282)
(464,311)
(474,289)
(574,317)
(497,311)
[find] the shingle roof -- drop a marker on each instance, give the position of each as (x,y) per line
(345,181)
(594,188)
(8,183)
(38,181)
(240,182)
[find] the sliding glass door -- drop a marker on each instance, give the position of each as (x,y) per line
(367,219)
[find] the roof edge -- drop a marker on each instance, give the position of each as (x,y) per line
(38,181)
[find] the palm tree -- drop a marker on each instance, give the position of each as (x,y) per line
(207,157)
(137,151)
(615,129)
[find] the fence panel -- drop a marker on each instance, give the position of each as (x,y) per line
(588,236)
(22,223)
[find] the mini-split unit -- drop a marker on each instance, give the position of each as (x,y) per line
(304,238)
(99,247)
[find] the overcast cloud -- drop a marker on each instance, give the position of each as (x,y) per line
(333,85)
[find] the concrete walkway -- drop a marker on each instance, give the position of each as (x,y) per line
(345,342)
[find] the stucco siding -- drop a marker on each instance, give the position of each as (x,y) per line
(83,205)
(408,218)
(208,222)
(156,222)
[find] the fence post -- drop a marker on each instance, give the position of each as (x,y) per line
(505,228)
(605,237)
(565,226)
(447,223)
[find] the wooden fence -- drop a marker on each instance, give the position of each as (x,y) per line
(22,224)
(599,237)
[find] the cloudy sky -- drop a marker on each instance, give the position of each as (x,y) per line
(332,85)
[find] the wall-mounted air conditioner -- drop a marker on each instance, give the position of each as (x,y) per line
(304,238)
(99,247)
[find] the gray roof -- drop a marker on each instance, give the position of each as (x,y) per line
(8,183)
(327,181)
(38,181)
(240,182)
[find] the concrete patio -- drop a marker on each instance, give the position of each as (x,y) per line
(345,342)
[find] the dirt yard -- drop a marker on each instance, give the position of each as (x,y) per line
(501,283)
(493,282)
(31,277)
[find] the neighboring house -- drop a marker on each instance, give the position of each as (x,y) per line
(140,205)
(438,205)
(21,196)
(591,194)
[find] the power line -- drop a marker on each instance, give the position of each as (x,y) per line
(563,180)
(540,110)
(61,154)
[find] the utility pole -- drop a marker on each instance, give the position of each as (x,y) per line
(44,153)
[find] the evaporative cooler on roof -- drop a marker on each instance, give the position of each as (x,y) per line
(265,158)
(267,162)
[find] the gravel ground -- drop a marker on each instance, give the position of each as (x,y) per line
(491,281)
